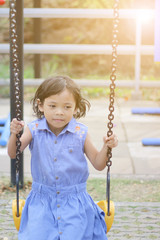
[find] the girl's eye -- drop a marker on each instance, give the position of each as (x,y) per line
(52,106)
(67,107)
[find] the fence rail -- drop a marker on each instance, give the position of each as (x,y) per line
(90,83)
(78,13)
(136,49)
(80,49)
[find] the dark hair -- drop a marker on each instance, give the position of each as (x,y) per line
(55,85)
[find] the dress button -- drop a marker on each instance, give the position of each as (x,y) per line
(60,233)
(55,159)
(55,141)
(58,192)
(70,150)
(57,178)
(59,218)
(58,206)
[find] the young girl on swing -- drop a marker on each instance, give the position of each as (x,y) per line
(58,206)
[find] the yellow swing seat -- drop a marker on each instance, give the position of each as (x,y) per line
(102,204)
(17,219)
(108,218)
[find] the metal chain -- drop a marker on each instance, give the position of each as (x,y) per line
(111,97)
(15,62)
(113,76)
(16,80)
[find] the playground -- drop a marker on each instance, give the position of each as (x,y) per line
(134,218)
(130,157)
(133,118)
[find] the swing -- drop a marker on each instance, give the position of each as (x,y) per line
(106,205)
(17,204)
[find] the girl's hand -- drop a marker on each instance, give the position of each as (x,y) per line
(111,141)
(16,126)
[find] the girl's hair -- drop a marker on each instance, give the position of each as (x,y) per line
(55,85)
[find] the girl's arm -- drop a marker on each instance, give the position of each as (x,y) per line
(16,127)
(99,158)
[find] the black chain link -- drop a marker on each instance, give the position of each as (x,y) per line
(15,62)
(111,97)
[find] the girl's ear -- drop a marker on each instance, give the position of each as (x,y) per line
(75,111)
(40,105)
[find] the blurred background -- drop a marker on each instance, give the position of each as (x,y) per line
(84,31)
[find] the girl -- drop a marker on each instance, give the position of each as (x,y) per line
(58,206)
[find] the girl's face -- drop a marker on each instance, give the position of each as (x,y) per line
(58,110)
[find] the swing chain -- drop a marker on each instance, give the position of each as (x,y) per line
(111,97)
(15,62)
(113,77)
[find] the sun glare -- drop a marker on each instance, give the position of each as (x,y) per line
(144,16)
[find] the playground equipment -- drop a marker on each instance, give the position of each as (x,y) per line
(107,205)
(4,131)
(151,141)
(149,111)
(17,204)
(146,110)
(2,123)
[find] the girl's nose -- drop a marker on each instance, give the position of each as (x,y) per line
(59,111)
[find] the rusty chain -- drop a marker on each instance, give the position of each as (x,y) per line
(111,97)
(113,77)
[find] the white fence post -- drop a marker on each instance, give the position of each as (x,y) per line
(138,58)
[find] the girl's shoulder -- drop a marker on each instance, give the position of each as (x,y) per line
(80,130)
(36,124)
(79,127)
(76,127)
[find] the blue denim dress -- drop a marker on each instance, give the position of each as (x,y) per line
(58,206)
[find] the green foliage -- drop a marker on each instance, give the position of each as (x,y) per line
(4,68)
(80,4)
(4,92)
(28,71)
(95,92)
(56,65)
